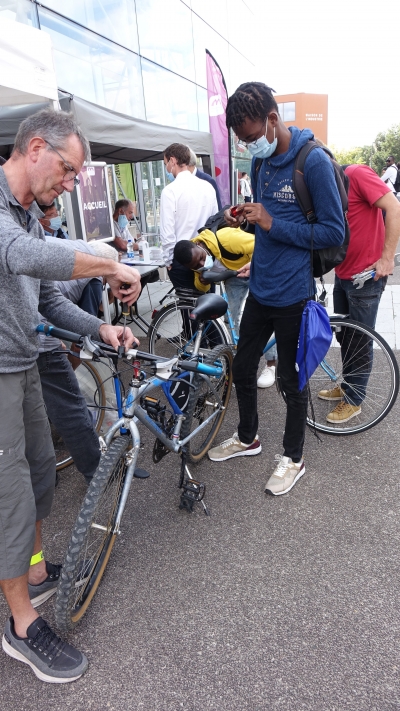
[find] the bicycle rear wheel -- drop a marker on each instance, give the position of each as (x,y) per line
(91,387)
(202,402)
(172,333)
(92,538)
(366,356)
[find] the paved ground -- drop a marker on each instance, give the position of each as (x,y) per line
(282,603)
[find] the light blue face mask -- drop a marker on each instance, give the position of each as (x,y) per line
(170,176)
(55,223)
(122,221)
(261,148)
(208,264)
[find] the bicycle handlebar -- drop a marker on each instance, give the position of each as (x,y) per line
(213,277)
(59,333)
(132,352)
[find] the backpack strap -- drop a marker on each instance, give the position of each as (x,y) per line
(299,186)
(227,255)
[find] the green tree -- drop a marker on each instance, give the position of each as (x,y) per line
(386,143)
(352,155)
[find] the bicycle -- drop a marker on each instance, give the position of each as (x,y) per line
(365,353)
(205,384)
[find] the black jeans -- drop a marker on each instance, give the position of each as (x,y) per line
(257,325)
(91,297)
(183,278)
(66,407)
(357,350)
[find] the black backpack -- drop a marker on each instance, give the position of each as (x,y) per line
(396,183)
(323,260)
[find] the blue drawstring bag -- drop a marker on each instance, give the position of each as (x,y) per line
(314,341)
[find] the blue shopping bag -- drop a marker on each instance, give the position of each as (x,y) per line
(314,340)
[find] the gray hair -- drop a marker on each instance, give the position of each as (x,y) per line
(102,249)
(52,126)
(193,158)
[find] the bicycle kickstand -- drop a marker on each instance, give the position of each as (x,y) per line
(192,490)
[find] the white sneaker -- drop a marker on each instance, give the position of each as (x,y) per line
(285,475)
(267,377)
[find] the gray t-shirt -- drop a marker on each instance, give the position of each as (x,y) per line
(72,289)
(28,268)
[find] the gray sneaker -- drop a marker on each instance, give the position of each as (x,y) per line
(233,447)
(40,593)
(285,475)
(49,657)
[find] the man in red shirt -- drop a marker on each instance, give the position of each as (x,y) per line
(373,244)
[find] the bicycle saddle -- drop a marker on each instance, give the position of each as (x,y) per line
(209,307)
(212,277)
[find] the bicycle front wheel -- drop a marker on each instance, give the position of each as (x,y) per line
(93,537)
(203,402)
(92,389)
(360,363)
(172,333)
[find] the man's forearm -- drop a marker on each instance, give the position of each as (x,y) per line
(392,234)
(87,266)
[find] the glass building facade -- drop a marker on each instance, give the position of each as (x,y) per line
(144,58)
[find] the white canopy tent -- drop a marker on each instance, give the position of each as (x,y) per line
(27,73)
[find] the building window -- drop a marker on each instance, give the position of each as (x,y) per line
(287,111)
(94,68)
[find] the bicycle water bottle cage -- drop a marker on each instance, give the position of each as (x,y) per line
(213,277)
(209,307)
(164,369)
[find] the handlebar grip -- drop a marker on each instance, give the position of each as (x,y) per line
(59,333)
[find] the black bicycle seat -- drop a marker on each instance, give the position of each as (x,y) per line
(209,307)
(213,277)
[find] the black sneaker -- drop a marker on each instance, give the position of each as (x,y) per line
(49,657)
(40,593)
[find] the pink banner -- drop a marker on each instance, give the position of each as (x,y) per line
(217,100)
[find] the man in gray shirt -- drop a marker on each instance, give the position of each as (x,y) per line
(48,153)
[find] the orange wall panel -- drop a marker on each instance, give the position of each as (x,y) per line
(311,112)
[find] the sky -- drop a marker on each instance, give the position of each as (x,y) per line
(348,49)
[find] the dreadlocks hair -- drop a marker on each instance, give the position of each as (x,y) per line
(252,100)
(183,251)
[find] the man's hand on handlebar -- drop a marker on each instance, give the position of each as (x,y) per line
(114,336)
(119,281)
(244,271)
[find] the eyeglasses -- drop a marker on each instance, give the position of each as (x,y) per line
(67,167)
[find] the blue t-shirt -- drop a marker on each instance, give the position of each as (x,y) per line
(281,267)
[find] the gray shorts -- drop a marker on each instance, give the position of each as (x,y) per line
(27,468)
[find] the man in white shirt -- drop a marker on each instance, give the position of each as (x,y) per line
(245,188)
(390,174)
(186,205)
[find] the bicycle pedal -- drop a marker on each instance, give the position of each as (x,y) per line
(141,473)
(193,492)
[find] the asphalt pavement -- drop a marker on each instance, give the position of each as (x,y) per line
(285,603)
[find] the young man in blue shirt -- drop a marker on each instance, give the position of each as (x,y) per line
(280,272)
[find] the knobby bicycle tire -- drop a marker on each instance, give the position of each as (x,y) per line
(201,403)
(92,538)
(95,399)
(168,337)
(367,355)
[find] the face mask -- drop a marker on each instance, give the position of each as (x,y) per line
(261,148)
(208,264)
(170,176)
(122,221)
(55,223)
